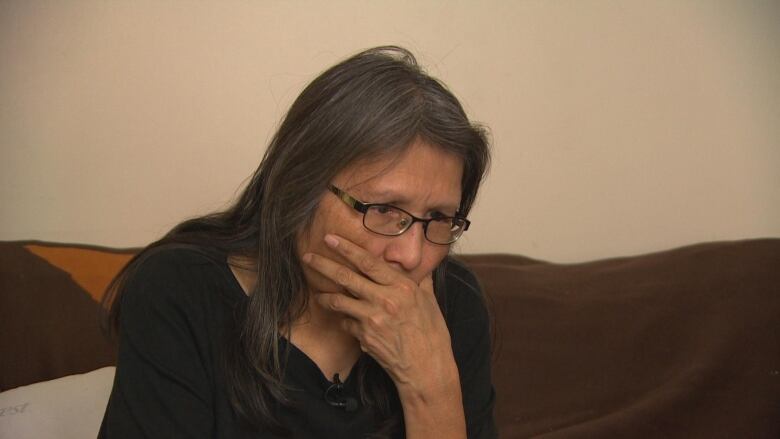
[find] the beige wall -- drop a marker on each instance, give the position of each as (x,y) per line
(619,126)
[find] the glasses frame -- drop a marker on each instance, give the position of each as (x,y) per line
(362,207)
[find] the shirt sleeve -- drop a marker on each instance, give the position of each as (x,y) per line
(469,323)
(163,383)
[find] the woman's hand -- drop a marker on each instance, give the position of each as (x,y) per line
(398,322)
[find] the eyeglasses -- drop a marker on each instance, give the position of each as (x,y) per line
(389,220)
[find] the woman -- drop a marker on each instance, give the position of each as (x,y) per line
(307,309)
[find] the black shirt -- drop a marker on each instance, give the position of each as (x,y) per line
(175,317)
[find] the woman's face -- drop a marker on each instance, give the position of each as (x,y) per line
(423,181)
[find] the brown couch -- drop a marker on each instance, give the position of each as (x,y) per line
(682,343)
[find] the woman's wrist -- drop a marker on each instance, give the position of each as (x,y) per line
(433,384)
(434,407)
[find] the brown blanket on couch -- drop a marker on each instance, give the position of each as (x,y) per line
(683,343)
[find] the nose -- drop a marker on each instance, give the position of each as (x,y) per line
(406,249)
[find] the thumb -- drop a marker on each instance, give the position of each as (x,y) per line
(427,284)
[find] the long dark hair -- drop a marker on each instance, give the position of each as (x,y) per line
(373,104)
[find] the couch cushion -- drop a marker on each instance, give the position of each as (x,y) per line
(66,408)
(682,343)
(49,310)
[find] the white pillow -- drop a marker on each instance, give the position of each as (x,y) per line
(68,407)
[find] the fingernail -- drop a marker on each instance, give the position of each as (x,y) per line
(331,241)
(307,257)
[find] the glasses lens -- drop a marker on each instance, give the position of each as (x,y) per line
(445,230)
(386,220)
(392,221)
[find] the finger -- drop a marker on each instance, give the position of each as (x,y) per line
(354,328)
(426,286)
(368,343)
(355,283)
(368,264)
(427,283)
(353,308)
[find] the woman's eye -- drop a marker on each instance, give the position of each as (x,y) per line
(383,209)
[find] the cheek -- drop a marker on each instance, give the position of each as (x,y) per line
(326,220)
(329,220)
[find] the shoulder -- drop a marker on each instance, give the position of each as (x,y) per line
(468,319)
(172,259)
(460,276)
(175,275)
(463,298)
